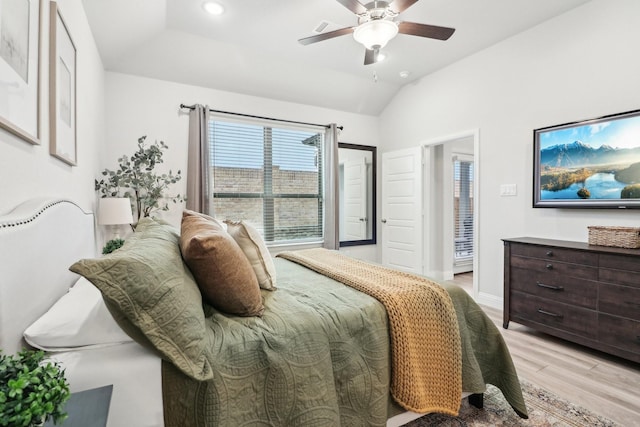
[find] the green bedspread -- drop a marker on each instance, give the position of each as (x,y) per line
(319,356)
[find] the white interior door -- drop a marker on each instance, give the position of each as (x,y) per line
(355,199)
(402,238)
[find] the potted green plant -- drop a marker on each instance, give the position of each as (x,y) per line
(32,390)
(112,245)
(137,179)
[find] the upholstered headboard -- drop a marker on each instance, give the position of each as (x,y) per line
(39,240)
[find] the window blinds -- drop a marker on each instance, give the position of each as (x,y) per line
(269,175)
(463,211)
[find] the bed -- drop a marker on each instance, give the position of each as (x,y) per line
(154,386)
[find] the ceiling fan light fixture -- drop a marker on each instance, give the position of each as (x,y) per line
(375,34)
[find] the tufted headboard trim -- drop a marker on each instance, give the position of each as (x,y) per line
(39,240)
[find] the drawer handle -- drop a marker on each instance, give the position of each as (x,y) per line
(549,253)
(549,266)
(552,287)
(548,313)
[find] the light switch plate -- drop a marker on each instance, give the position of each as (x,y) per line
(508,190)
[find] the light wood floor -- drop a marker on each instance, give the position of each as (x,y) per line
(604,384)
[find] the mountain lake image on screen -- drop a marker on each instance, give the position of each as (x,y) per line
(592,163)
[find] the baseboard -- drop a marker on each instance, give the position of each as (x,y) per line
(489,300)
(458,269)
(436,275)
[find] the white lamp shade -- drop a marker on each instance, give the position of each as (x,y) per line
(114,211)
(375,34)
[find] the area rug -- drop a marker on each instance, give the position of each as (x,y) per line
(545,410)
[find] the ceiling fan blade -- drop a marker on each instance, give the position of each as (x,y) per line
(371,56)
(423,30)
(326,36)
(353,5)
(400,6)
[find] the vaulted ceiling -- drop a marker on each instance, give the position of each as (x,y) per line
(252,48)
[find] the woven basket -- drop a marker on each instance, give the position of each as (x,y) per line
(619,237)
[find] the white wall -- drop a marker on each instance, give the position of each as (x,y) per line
(139,106)
(27,170)
(579,65)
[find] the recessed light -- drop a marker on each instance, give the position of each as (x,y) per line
(213,8)
(404,74)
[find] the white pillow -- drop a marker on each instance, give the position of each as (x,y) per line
(78,319)
(254,248)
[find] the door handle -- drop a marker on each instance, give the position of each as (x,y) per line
(384,221)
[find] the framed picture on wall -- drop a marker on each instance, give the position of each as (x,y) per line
(19,68)
(62,89)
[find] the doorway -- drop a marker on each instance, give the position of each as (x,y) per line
(451,206)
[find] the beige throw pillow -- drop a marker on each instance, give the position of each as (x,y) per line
(256,251)
(223,273)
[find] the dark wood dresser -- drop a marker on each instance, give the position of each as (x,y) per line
(586,294)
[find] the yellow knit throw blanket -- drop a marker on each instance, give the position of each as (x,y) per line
(426,354)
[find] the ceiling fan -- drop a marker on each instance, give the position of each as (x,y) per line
(376,26)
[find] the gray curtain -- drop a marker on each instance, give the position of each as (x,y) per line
(198,166)
(331,232)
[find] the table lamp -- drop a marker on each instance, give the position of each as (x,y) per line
(113,212)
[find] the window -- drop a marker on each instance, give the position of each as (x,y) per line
(463,211)
(269,176)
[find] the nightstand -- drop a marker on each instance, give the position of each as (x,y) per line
(88,408)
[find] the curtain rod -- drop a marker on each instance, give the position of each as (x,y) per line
(191,107)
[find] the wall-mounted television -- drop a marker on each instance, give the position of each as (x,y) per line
(588,164)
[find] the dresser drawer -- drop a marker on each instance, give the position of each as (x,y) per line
(621,301)
(558,268)
(554,254)
(620,262)
(619,332)
(570,290)
(576,320)
(623,277)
